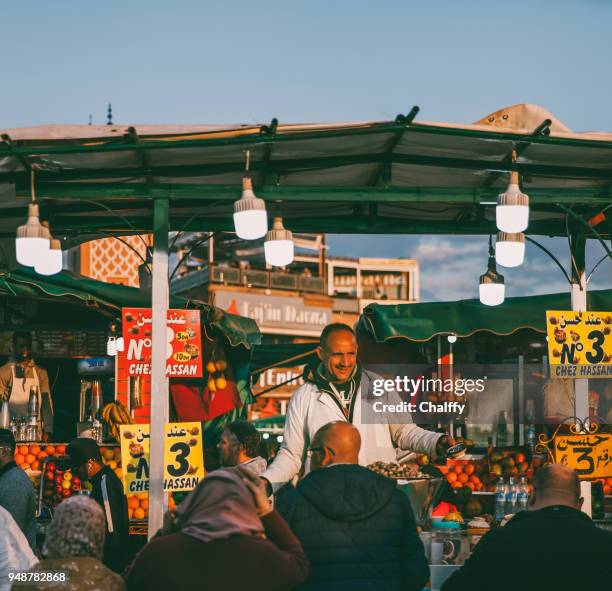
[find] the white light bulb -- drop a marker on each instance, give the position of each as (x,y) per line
(492,294)
(50,261)
(32,240)
(510,249)
(512,211)
(120,344)
(278,246)
(111,347)
(250,218)
(451,338)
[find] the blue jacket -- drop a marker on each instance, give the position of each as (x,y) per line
(357,529)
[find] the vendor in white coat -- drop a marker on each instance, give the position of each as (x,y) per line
(332,393)
(19,375)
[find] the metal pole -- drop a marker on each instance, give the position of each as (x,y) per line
(158,502)
(581,386)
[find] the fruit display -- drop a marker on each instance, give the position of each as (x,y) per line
(31,456)
(57,484)
(115,414)
(471,474)
(111,456)
(215,368)
(397,471)
(607,485)
(508,462)
(138,505)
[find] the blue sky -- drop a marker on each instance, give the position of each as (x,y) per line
(333,60)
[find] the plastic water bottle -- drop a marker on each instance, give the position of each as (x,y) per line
(522,495)
(511,493)
(500,499)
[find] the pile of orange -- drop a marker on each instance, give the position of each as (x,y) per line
(138,505)
(111,456)
(31,456)
(464,475)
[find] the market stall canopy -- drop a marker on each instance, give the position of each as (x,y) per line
(421,322)
(401,176)
(109,298)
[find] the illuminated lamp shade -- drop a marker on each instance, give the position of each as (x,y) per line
(33,239)
(111,346)
(510,249)
(451,338)
(250,218)
(120,344)
(492,289)
(512,211)
(278,246)
(51,261)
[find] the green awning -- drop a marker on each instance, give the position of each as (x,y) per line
(421,322)
(110,298)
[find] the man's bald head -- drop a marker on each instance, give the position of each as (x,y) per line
(335,443)
(556,484)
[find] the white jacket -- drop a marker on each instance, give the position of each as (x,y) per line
(309,409)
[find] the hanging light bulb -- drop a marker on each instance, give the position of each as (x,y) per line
(492,289)
(250,218)
(120,344)
(451,338)
(512,211)
(33,239)
(510,249)
(111,346)
(278,246)
(51,261)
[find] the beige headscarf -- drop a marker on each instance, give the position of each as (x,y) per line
(220,506)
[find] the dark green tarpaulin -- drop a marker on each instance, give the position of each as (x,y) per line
(110,298)
(421,322)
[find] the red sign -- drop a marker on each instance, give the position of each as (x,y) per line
(183,343)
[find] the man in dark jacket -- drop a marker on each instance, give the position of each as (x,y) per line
(17,494)
(357,529)
(85,460)
(552,546)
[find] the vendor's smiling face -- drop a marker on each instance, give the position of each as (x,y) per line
(339,355)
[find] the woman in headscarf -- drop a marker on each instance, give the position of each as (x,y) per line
(15,551)
(223,536)
(74,545)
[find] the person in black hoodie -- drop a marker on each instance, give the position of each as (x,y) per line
(357,529)
(553,545)
(107,490)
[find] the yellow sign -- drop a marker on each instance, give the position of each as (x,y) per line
(183,457)
(590,454)
(579,344)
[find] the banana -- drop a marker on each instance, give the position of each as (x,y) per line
(125,415)
(116,415)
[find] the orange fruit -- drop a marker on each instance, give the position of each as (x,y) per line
(474,479)
(23,450)
(470,485)
(607,489)
(130,513)
(144,504)
(19,459)
(25,466)
(50,450)
(609,481)
(30,458)
(35,465)
(142,495)
(451,477)
(119,473)
(133,503)
(469,469)
(41,456)
(463,478)
(457,485)
(35,449)
(108,454)
(60,450)
(458,469)
(139,513)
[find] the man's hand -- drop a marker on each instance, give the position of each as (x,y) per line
(443,444)
(257,487)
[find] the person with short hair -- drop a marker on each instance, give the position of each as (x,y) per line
(17,493)
(553,545)
(18,375)
(332,393)
(85,460)
(239,446)
(74,546)
(357,528)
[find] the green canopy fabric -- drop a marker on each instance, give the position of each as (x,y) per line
(403,176)
(421,322)
(110,298)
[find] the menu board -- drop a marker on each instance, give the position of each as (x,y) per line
(183,456)
(183,343)
(579,344)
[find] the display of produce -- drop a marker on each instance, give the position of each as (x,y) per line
(57,485)
(397,471)
(138,505)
